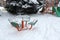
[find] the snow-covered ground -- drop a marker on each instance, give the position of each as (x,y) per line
(47,28)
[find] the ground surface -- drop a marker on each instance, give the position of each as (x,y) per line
(47,28)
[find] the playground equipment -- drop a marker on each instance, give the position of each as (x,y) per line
(57,10)
(16,25)
(23,23)
(32,23)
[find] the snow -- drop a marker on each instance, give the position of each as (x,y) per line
(47,28)
(25,6)
(59,4)
(33,1)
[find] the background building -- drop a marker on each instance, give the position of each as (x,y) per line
(2,2)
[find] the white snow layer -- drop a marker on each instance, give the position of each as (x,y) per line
(47,28)
(33,1)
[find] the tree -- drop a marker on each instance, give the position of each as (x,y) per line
(22,6)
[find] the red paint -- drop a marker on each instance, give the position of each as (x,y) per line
(22,24)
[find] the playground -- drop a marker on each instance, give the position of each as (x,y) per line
(47,28)
(44,25)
